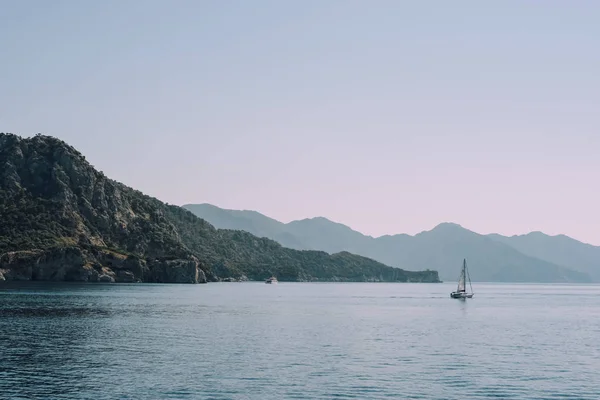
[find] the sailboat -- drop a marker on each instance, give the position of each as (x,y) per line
(461,292)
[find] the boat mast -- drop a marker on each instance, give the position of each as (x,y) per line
(464,274)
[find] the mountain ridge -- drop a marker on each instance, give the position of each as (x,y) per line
(64,220)
(562,249)
(435,248)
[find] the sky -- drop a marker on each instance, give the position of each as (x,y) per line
(388,116)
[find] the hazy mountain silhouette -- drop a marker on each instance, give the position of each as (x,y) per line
(491,258)
(560,249)
(249,221)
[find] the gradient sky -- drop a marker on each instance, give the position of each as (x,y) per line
(389,116)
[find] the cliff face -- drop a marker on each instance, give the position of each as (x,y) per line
(78,265)
(63,220)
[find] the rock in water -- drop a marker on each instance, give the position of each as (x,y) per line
(177,271)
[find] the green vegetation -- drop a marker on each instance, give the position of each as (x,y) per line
(529,258)
(30,223)
(51,198)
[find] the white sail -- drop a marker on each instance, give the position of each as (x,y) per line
(461,290)
(461,283)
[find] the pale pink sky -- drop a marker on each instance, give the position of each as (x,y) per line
(387,116)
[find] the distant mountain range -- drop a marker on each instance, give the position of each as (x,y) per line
(62,220)
(534,257)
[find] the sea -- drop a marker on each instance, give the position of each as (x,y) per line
(298,341)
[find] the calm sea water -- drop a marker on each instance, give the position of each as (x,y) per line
(298,341)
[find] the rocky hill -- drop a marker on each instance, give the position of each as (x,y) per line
(491,258)
(64,220)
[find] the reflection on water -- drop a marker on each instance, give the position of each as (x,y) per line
(298,341)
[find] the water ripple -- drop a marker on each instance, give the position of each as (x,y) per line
(298,341)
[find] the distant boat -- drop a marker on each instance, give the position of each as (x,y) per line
(271,280)
(461,292)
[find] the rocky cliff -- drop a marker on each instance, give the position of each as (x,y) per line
(64,220)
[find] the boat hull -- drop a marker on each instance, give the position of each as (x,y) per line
(461,295)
